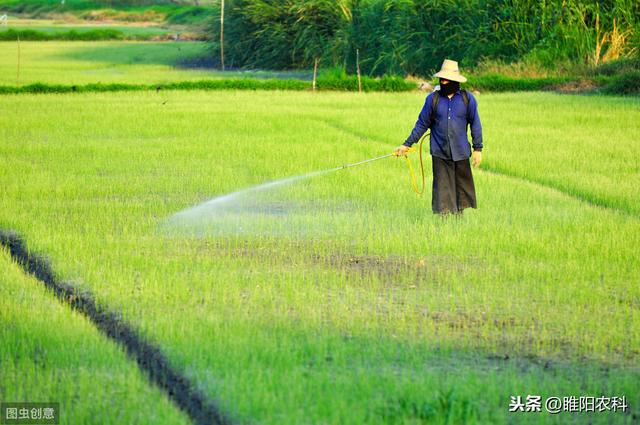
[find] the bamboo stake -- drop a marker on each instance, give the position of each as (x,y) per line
(222,33)
(315,72)
(358,70)
(18,71)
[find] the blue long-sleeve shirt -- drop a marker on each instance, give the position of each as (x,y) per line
(449,131)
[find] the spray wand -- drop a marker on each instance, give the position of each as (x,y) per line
(414,181)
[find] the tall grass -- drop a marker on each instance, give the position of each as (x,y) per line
(412,37)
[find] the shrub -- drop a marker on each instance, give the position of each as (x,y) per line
(626,83)
(619,66)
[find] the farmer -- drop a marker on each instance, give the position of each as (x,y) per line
(448,116)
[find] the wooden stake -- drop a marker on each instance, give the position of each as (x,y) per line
(18,72)
(315,72)
(358,70)
(222,34)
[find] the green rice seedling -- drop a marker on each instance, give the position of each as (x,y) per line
(341,298)
(51,354)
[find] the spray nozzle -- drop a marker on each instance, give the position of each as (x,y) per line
(411,149)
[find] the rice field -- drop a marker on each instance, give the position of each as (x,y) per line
(52,26)
(136,62)
(49,353)
(334,299)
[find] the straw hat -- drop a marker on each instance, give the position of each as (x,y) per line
(450,71)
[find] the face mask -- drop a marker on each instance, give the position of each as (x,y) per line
(449,88)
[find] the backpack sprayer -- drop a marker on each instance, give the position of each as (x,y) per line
(414,182)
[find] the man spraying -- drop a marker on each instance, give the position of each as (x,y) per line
(447,112)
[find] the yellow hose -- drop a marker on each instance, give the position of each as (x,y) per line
(414,180)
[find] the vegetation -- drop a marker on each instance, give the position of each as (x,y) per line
(85,62)
(161,11)
(50,354)
(32,35)
(385,84)
(338,299)
(412,37)
(56,66)
(625,84)
(106,66)
(50,29)
(628,83)
(554,45)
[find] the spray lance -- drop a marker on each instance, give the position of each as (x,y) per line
(205,208)
(414,182)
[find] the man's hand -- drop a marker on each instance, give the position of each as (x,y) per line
(476,158)
(401,150)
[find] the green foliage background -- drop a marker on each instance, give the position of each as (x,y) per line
(412,37)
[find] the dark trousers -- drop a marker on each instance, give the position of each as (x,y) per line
(453,188)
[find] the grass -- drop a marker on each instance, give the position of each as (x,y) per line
(342,299)
(80,63)
(57,62)
(50,354)
(96,66)
(52,27)
(596,161)
(85,62)
(87,30)
(181,14)
(72,35)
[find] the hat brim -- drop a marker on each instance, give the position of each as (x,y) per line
(450,76)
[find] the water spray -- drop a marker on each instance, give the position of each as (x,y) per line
(227,202)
